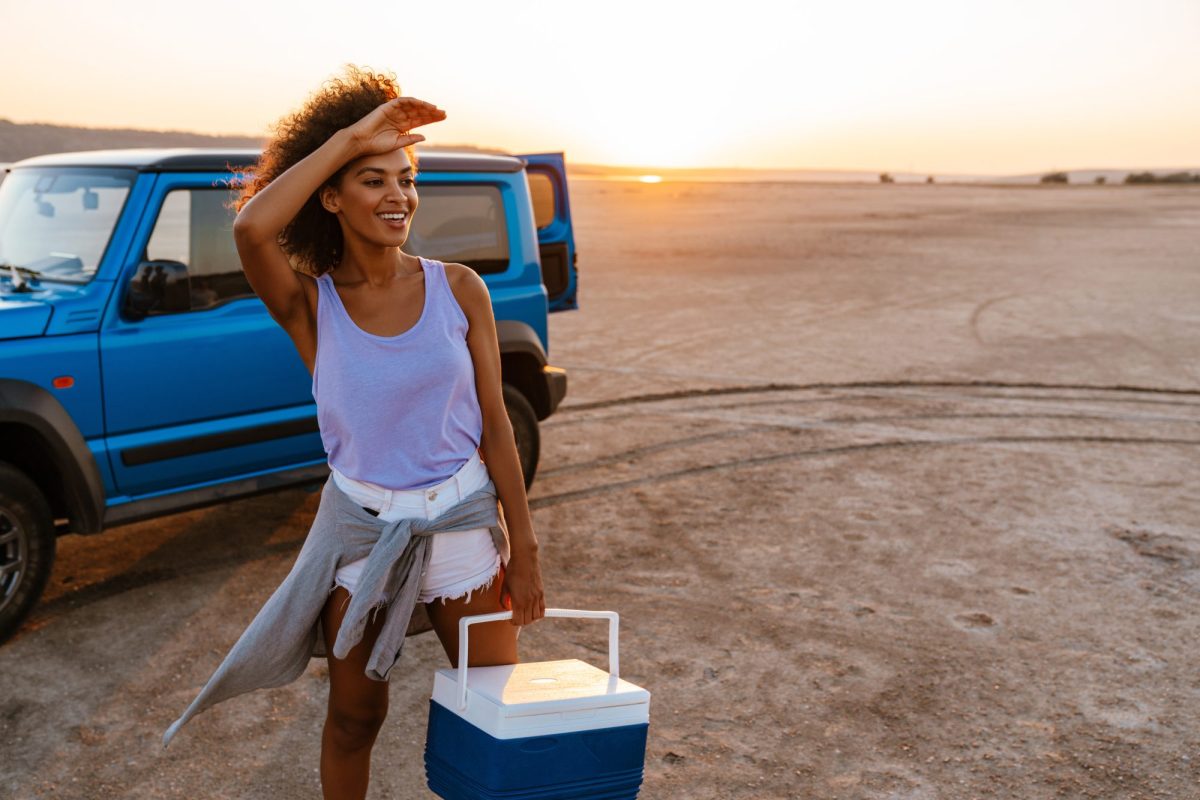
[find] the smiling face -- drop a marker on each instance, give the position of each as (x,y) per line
(375,198)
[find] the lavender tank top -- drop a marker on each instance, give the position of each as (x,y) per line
(398,411)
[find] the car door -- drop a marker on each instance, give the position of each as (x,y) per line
(547,174)
(208,388)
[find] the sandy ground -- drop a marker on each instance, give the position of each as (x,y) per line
(895,489)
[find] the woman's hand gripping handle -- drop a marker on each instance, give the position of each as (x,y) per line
(521,591)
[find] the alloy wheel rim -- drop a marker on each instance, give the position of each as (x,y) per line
(13,551)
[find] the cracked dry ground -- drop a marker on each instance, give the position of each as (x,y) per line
(895,489)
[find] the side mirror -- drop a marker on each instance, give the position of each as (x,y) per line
(158,287)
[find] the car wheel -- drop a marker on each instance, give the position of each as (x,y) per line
(27,540)
(525,429)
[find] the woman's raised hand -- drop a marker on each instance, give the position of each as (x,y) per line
(388,126)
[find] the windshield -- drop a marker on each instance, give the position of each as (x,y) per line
(58,220)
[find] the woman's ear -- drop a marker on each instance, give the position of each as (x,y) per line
(329,199)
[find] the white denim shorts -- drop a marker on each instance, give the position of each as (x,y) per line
(461,561)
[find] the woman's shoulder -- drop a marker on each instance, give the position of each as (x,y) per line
(463,279)
(454,270)
(467,287)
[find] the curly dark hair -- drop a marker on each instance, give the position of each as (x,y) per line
(313,239)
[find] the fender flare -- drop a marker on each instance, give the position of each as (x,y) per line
(519,337)
(29,405)
(523,363)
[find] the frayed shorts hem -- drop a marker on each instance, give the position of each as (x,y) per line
(463,589)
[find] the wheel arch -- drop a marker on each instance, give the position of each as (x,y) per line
(521,360)
(38,436)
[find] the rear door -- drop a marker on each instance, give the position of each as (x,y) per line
(547,174)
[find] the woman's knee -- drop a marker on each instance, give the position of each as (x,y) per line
(355,727)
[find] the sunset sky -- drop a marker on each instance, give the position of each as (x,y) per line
(967,87)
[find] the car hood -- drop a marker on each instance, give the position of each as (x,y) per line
(21,316)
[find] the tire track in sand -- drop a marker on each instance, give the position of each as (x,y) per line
(617,486)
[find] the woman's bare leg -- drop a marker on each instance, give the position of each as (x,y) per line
(357,706)
(491,642)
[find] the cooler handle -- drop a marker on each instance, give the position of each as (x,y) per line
(465,622)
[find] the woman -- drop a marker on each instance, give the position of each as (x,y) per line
(407,384)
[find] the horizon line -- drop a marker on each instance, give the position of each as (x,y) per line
(643,168)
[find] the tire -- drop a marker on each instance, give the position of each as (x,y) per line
(525,430)
(27,542)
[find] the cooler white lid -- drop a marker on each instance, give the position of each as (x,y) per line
(541,698)
(540,687)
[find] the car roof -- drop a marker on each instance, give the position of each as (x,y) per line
(214,159)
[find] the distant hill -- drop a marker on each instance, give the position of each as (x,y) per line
(22,140)
(1111,176)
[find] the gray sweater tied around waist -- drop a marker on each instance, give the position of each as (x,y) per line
(275,648)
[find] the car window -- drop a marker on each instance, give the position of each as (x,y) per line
(541,190)
(195,228)
(464,224)
(59,220)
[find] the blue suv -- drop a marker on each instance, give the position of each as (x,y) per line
(139,373)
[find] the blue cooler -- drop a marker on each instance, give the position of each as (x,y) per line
(545,730)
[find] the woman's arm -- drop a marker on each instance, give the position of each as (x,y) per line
(523,577)
(256,231)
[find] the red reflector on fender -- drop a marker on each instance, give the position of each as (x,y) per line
(63,382)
